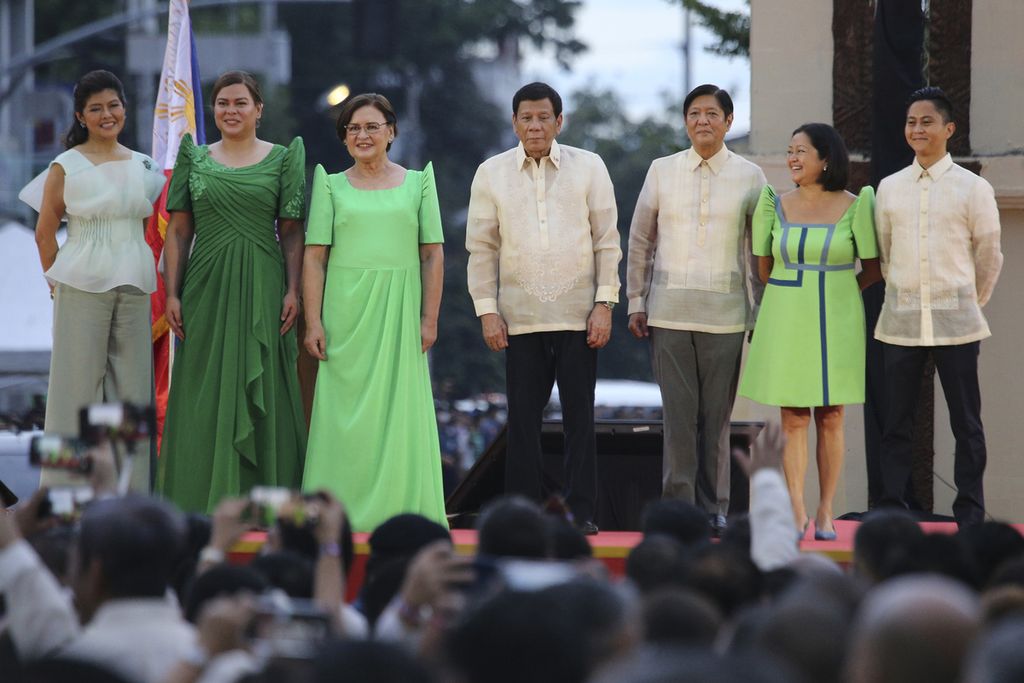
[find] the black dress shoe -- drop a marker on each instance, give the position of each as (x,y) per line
(588,528)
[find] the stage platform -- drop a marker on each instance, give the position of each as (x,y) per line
(611,547)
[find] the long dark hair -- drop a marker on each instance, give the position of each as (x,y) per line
(87,86)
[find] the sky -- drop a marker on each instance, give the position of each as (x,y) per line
(635,49)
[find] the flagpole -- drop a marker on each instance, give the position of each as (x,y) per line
(177,112)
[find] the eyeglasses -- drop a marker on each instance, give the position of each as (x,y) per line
(354,129)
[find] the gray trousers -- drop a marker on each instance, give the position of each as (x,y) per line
(102,353)
(698,373)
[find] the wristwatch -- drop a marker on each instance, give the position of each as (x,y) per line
(610,305)
(330,549)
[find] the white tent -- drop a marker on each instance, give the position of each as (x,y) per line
(26,312)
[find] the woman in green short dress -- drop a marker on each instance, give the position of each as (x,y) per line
(372,289)
(808,345)
(234,416)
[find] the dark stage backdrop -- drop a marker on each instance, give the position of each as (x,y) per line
(628,472)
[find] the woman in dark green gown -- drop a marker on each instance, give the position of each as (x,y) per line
(234,416)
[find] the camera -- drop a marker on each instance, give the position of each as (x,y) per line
(65,502)
(124,422)
(56,452)
(270,504)
(288,628)
(264,504)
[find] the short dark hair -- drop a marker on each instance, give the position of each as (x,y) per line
(366,99)
(882,542)
(679,519)
(936,96)
(534,92)
(235,78)
(221,580)
(992,544)
(287,570)
(513,526)
(87,86)
(724,101)
(137,542)
(831,148)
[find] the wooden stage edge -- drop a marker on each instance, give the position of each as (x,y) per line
(611,547)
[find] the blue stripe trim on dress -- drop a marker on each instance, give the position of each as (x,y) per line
(787,264)
(824,338)
(821,268)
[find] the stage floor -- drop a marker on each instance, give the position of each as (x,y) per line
(611,547)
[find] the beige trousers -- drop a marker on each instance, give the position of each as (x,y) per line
(102,353)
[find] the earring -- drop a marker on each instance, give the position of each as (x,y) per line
(825,168)
(82,124)
(258,121)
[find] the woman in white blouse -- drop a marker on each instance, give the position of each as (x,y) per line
(102,276)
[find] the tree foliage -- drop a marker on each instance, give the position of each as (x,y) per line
(599,122)
(732,28)
(55,17)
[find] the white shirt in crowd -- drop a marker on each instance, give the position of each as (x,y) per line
(689,243)
(542,239)
(938,239)
(140,638)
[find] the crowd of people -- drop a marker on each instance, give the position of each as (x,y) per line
(137,591)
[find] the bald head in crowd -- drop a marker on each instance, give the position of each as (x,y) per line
(914,629)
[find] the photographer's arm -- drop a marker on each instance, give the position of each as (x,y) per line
(40,619)
(434,574)
(226,528)
(329,576)
(773,532)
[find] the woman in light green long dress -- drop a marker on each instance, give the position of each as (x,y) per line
(372,289)
(234,414)
(808,346)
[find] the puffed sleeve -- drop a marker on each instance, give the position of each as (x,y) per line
(763,222)
(32,194)
(320,223)
(179,197)
(864,224)
(430,210)
(292,200)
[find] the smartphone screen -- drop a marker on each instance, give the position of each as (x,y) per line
(66,502)
(58,453)
(266,501)
(289,628)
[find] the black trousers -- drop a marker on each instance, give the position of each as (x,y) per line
(957,367)
(874,392)
(533,363)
